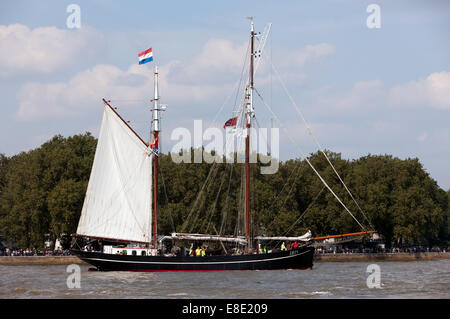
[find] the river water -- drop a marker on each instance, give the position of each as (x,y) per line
(412,279)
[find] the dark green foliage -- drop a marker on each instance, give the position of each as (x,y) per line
(42,192)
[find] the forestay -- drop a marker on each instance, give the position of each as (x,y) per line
(118,198)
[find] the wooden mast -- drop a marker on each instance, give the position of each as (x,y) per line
(247,143)
(155,193)
(155,148)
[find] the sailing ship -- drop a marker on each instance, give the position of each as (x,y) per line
(118,227)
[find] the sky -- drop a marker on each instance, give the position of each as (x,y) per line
(362,90)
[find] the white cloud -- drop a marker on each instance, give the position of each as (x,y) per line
(209,76)
(219,61)
(83,91)
(434,92)
(331,132)
(363,95)
(188,82)
(422,137)
(312,52)
(44,49)
(86,88)
(220,54)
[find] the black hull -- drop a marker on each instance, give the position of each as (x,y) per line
(301,258)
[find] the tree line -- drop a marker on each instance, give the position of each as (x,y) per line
(42,192)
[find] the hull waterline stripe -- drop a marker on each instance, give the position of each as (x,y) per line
(196,263)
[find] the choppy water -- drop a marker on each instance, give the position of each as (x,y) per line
(413,279)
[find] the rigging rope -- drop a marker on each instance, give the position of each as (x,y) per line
(215,204)
(167,199)
(292,187)
(183,227)
(237,86)
(214,166)
(301,216)
(225,213)
(316,141)
(307,160)
(214,170)
(288,182)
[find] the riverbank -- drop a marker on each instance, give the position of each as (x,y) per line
(40,260)
(340,257)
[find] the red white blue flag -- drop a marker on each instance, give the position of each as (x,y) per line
(145,56)
(230,122)
(154,143)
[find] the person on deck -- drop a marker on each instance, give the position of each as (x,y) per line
(283,246)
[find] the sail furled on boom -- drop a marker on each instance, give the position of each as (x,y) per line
(118,198)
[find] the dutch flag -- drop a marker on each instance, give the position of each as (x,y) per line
(145,56)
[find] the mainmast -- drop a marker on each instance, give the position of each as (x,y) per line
(248,116)
(155,148)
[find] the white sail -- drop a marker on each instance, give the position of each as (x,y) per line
(118,198)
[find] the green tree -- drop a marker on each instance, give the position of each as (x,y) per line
(42,192)
(43,189)
(65,202)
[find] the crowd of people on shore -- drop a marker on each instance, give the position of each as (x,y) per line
(379,250)
(33,252)
(203,251)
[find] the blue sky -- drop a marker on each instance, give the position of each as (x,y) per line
(363,91)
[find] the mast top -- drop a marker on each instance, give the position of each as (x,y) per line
(252,25)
